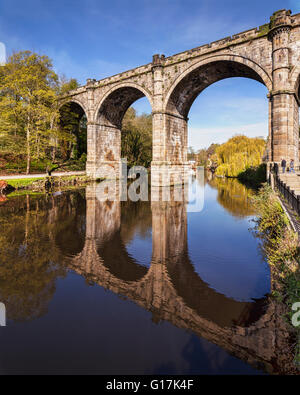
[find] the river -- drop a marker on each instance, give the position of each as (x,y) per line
(110,287)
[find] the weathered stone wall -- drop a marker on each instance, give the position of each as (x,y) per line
(269,54)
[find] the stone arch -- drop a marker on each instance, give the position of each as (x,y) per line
(78,106)
(199,76)
(104,137)
(73,118)
(114,104)
(295,81)
(296,85)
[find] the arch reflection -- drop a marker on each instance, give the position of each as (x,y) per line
(171,271)
(170,288)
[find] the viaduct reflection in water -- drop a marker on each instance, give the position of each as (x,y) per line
(89,236)
(170,288)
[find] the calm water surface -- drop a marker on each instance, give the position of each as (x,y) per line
(133,288)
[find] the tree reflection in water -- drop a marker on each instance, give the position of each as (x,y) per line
(233,196)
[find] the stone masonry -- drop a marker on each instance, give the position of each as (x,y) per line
(269,54)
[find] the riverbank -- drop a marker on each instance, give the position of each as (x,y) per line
(40,182)
(40,175)
(280,245)
(252,177)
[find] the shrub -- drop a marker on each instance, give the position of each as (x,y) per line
(254,175)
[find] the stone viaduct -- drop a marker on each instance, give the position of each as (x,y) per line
(269,54)
(170,288)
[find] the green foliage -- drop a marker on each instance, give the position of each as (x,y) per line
(23,183)
(83,158)
(28,273)
(34,182)
(281,247)
(205,156)
(280,243)
(67,85)
(264,29)
(136,143)
(255,175)
(29,114)
(27,87)
(271,218)
(238,154)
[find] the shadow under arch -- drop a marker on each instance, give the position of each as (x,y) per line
(119,263)
(203,74)
(298,88)
(208,303)
(73,120)
(71,111)
(112,250)
(70,232)
(295,78)
(116,102)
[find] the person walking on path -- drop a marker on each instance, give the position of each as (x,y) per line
(292,166)
(283,165)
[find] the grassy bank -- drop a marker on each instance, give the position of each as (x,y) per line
(24,183)
(11,164)
(280,245)
(38,183)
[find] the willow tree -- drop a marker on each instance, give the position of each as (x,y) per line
(28,87)
(238,154)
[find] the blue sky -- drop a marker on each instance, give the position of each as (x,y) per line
(96,38)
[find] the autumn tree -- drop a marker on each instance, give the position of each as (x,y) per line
(30,117)
(206,155)
(28,92)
